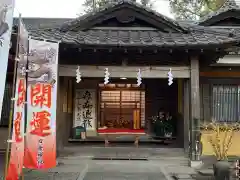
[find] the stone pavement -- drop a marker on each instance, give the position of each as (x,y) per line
(77,169)
(135,164)
(77,164)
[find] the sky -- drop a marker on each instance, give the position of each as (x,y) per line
(66,9)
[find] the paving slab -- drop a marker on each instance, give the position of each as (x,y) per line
(124,176)
(176,169)
(38,175)
(200,177)
(183,176)
(80,166)
(66,176)
(68,169)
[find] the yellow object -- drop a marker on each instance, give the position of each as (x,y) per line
(136,119)
(234,149)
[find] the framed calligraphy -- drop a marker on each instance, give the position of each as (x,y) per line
(85,108)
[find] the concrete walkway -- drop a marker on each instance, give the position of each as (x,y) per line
(76,163)
(80,169)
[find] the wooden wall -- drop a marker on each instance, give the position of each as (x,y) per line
(160,97)
(206,108)
(206,94)
(64,111)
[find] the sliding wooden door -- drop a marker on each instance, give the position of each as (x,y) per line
(122,108)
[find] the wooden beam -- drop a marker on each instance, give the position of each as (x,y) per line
(180,95)
(65,96)
(186,114)
(126,71)
(220,74)
(70,96)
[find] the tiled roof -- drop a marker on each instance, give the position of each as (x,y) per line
(197,37)
(191,36)
(229,5)
(36,23)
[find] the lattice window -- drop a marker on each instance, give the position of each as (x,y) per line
(226,103)
(143,109)
(122,108)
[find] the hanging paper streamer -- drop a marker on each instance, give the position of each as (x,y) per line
(139,78)
(170,77)
(40,148)
(106,78)
(78,75)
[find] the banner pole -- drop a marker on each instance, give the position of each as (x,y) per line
(26,99)
(12,101)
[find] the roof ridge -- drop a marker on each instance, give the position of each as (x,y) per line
(216,31)
(117,3)
(227,5)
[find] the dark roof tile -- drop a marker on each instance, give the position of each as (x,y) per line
(136,37)
(35,23)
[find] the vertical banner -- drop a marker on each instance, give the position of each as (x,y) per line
(6,20)
(17,146)
(85,108)
(40,144)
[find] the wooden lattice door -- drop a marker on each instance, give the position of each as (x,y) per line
(122,109)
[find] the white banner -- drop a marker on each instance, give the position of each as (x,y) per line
(85,108)
(40,148)
(6,20)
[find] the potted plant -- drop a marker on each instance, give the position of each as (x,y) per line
(220,137)
(158,127)
(168,126)
(162,125)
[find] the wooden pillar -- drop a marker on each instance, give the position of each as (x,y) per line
(180,115)
(186,101)
(65,95)
(70,96)
(69,113)
(62,116)
(59,117)
(194,108)
(180,95)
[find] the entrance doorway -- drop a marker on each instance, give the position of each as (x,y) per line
(122,107)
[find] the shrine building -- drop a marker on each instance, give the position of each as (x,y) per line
(125,38)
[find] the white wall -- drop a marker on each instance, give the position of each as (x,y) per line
(229,60)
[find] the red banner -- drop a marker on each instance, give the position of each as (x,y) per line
(40,144)
(17,147)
